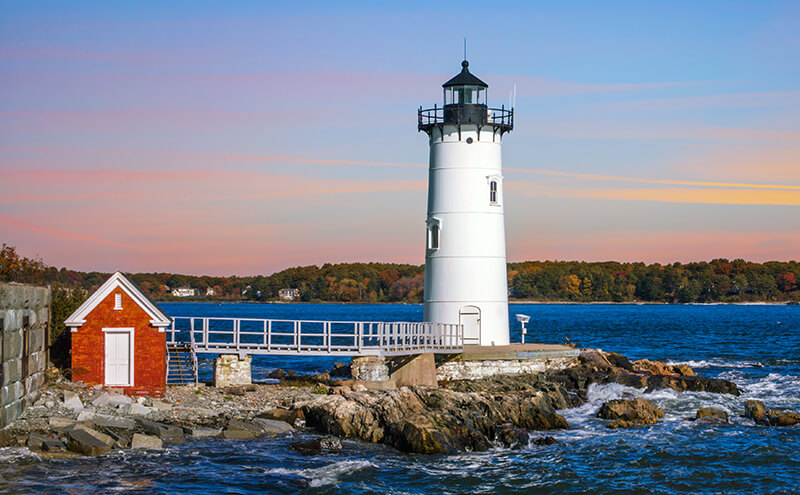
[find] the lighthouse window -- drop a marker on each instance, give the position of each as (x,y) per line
(433,237)
(493,192)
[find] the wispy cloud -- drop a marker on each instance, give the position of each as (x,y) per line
(709,101)
(666,195)
(61,234)
(615,178)
(657,246)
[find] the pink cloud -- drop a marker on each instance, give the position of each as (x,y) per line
(61,234)
(657,247)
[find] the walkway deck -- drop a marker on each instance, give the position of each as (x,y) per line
(245,336)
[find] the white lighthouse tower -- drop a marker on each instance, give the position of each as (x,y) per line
(465,255)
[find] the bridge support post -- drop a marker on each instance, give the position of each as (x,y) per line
(231,369)
(413,370)
(369,369)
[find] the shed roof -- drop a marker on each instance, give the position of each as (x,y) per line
(157,317)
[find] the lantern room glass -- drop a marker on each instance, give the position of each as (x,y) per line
(465,95)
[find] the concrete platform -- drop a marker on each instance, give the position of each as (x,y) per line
(517,352)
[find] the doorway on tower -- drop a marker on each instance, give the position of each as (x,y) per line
(470,317)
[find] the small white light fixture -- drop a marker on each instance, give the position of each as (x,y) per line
(523,319)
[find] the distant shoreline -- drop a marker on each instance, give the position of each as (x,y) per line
(514,302)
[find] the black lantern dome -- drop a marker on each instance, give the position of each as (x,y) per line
(464,104)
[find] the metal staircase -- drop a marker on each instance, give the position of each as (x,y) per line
(181,364)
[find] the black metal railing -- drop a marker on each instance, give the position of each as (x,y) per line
(427,118)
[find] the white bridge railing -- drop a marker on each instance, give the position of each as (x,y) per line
(312,337)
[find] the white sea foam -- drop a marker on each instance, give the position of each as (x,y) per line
(17,455)
(325,475)
(718,363)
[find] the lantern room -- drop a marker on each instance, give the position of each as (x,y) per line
(465,88)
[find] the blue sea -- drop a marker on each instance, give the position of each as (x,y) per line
(756,346)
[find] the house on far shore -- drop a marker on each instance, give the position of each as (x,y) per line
(209,292)
(183,292)
(289,294)
(119,340)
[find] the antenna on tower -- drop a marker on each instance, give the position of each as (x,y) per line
(465,47)
(515,96)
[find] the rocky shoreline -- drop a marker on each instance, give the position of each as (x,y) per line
(70,419)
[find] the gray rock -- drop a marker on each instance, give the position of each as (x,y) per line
(272,426)
(72,401)
(252,428)
(86,416)
(120,441)
(330,443)
(50,403)
(204,432)
(114,421)
(139,410)
(36,440)
(101,400)
(88,441)
(318,445)
(119,400)
(55,445)
(161,430)
(160,405)
(140,441)
(237,434)
(60,423)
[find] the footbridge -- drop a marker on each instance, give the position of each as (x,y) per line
(189,336)
(314,337)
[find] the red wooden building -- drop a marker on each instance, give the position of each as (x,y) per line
(119,340)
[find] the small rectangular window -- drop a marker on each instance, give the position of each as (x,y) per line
(117,301)
(433,237)
(493,192)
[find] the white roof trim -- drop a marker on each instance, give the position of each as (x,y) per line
(158,317)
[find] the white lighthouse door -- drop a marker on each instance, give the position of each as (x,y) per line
(118,356)
(470,317)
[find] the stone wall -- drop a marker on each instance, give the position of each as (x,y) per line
(475,370)
(24,317)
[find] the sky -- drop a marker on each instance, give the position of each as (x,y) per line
(241,138)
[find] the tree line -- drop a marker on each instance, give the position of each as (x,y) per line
(719,280)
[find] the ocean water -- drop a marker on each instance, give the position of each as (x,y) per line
(756,346)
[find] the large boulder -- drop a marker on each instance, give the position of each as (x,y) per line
(113,421)
(140,441)
(329,444)
(238,426)
(626,413)
(293,417)
(711,415)
(272,426)
(161,430)
(678,383)
(88,441)
(783,418)
(659,368)
(755,410)
(433,421)
(72,401)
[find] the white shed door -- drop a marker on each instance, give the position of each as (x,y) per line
(118,357)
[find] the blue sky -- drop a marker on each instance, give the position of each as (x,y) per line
(218,137)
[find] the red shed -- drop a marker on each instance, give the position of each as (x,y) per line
(119,340)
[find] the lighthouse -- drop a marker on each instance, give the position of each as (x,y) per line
(465,246)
